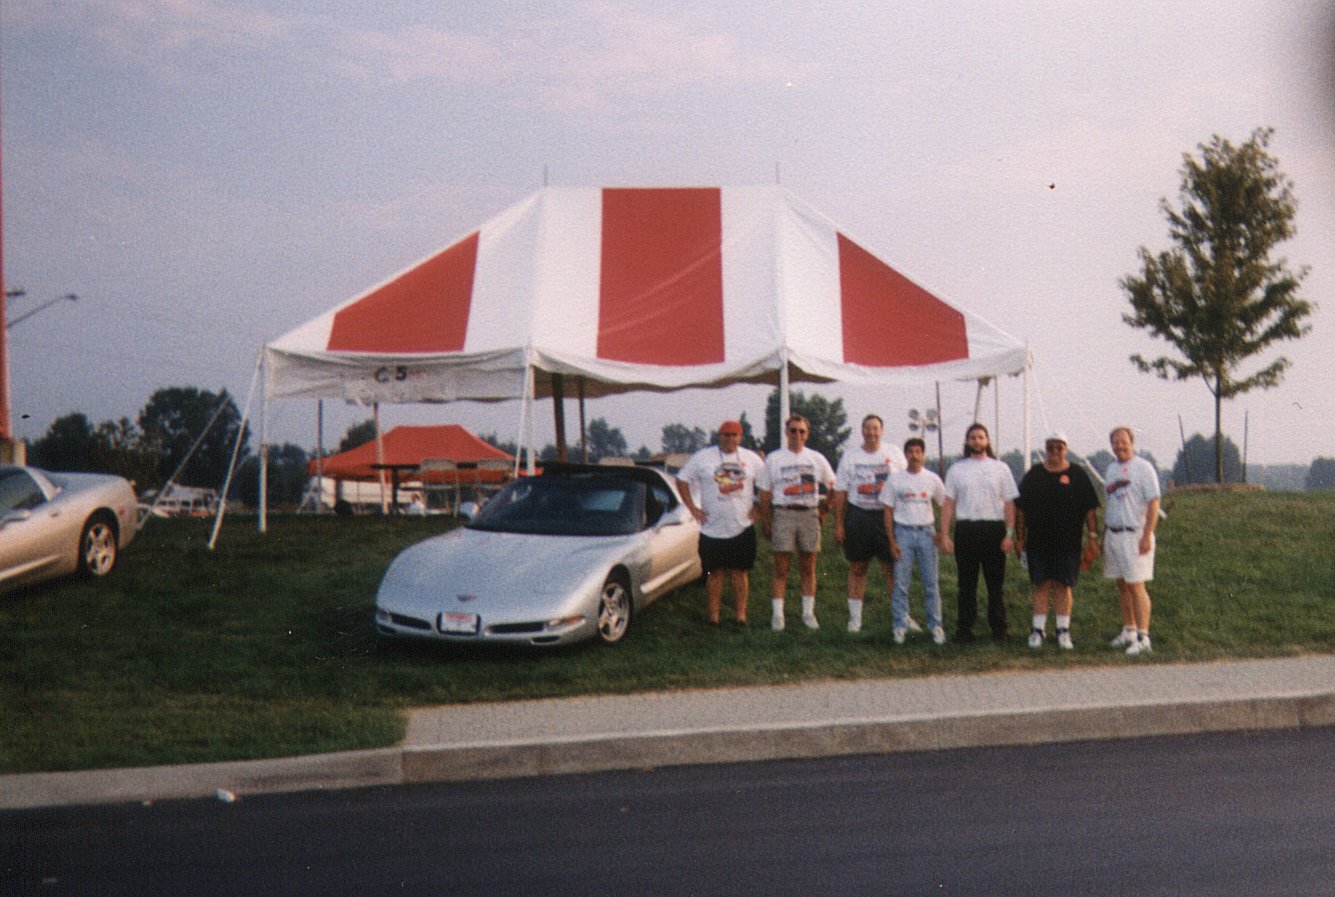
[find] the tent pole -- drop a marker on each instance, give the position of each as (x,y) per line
(996,407)
(1028,420)
(380,456)
(583,437)
(530,390)
(559,416)
(319,454)
(940,434)
(262,371)
(785,408)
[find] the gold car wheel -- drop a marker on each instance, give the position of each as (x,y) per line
(97,549)
(614,610)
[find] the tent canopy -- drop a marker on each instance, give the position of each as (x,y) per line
(412,447)
(637,289)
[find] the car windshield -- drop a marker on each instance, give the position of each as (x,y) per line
(19,490)
(565,506)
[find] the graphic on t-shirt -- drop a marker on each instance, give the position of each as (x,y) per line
(870,478)
(801,480)
(1115,486)
(730,477)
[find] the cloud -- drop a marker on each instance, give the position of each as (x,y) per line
(588,56)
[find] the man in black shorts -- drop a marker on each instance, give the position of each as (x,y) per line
(718,486)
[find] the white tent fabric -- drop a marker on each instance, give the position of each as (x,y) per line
(637,289)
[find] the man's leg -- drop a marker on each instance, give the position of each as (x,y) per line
(967,565)
(714,593)
(994,572)
(741,591)
(779,585)
(857,590)
(806,561)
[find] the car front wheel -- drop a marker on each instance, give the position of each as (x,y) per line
(614,609)
(97,547)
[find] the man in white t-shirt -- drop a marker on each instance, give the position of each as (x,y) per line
(980,498)
(907,498)
(717,484)
(791,514)
(1129,518)
(859,519)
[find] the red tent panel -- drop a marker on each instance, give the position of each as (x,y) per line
(413,445)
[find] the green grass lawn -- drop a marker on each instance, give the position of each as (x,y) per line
(265,647)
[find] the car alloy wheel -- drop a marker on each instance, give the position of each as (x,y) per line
(614,610)
(97,548)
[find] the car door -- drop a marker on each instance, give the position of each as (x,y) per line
(674,544)
(36,540)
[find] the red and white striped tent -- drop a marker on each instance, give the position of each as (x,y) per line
(637,289)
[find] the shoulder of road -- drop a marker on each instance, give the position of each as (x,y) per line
(774,722)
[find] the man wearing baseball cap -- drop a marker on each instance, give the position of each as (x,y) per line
(718,486)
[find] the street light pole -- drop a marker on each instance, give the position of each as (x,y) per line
(9,324)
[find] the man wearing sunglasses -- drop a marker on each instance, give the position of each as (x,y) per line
(791,487)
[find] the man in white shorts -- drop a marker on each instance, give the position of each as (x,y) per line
(1129,519)
(791,515)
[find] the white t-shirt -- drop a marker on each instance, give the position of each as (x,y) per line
(1131,486)
(861,474)
(724,487)
(794,478)
(980,488)
(912,494)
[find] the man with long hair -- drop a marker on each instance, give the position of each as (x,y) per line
(980,500)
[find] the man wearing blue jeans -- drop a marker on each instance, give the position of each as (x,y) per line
(911,524)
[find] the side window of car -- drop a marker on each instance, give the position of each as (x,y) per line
(19,492)
(664,495)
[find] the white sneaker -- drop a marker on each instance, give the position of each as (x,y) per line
(1140,646)
(1035,638)
(1064,640)
(776,622)
(938,635)
(810,620)
(900,635)
(913,625)
(1124,638)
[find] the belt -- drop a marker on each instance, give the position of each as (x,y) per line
(1122,529)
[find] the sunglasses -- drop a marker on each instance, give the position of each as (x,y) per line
(796,430)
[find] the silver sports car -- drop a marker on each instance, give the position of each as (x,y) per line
(551,559)
(52,524)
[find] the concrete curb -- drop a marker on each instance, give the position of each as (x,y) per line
(684,745)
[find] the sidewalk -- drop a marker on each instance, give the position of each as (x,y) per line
(570,735)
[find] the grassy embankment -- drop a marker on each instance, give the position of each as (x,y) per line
(265,647)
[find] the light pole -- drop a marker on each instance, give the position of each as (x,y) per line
(15,294)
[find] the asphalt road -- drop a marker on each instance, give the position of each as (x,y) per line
(1219,815)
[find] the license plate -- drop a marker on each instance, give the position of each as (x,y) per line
(459,624)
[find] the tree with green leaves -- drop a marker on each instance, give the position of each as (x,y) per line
(605,440)
(828,420)
(176,417)
(357,434)
(1218,296)
(679,438)
(1195,462)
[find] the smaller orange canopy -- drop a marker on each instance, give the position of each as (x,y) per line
(408,448)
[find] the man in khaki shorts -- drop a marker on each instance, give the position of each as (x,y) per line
(791,514)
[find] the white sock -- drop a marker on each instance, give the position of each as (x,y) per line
(1063,622)
(1041,622)
(808,605)
(855,610)
(777,604)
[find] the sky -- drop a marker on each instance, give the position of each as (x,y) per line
(206,176)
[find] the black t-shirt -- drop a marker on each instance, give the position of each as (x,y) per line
(1054,507)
